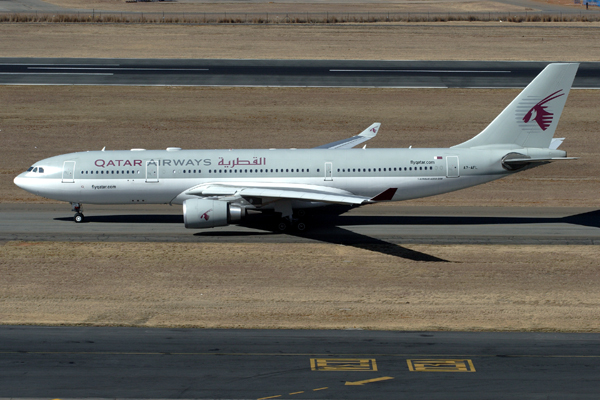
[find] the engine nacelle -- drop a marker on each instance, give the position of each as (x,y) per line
(201,213)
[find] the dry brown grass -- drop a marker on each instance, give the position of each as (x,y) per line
(300,286)
(274,6)
(444,41)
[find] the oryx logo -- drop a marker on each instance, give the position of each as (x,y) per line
(205,216)
(539,114)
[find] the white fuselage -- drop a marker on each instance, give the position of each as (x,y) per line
(162,176)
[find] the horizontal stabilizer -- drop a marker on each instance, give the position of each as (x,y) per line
(349,143)
(537,160)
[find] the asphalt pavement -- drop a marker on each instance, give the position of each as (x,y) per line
(139,363)
(281,73)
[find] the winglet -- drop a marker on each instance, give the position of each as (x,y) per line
(365,135)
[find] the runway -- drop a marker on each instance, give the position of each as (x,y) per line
(281,73)
(86,362)
(380,224)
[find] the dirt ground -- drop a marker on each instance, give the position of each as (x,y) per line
(300,286)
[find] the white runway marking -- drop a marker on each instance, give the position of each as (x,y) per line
(420,70)
(122,69)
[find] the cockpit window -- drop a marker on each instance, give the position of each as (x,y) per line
(41,170)
(29,169)
(35,169)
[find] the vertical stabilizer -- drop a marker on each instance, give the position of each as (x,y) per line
(530,120)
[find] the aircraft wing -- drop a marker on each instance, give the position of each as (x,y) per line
(365,135)
(276,191)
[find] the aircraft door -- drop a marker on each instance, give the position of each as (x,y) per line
(328,171)
(68,175)
(151,171)
(452,167)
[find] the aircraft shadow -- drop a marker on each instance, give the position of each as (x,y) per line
(130,219)
(328,228)
(337,235)
(591,219)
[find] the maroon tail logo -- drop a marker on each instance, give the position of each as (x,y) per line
(205,216)
(539,113)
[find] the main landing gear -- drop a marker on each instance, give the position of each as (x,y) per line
(77,207)
(296,221)
(284,225)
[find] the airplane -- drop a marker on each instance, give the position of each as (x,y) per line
(221,187)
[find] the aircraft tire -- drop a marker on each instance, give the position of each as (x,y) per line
(282,226)
(300,226)
(78,218)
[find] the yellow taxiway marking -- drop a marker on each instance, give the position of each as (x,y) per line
(441,365)
(357,383)
(274,397)
(343,364)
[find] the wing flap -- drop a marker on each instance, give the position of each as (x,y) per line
(290,191)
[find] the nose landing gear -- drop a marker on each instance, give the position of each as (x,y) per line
(77,207)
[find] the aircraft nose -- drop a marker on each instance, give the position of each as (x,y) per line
(21,181)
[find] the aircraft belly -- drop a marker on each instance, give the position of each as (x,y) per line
(413,188)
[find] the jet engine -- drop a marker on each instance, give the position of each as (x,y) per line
(202,213)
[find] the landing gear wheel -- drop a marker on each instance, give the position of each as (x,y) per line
(300,213)
(282,225)
(78,217)
(300,226)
